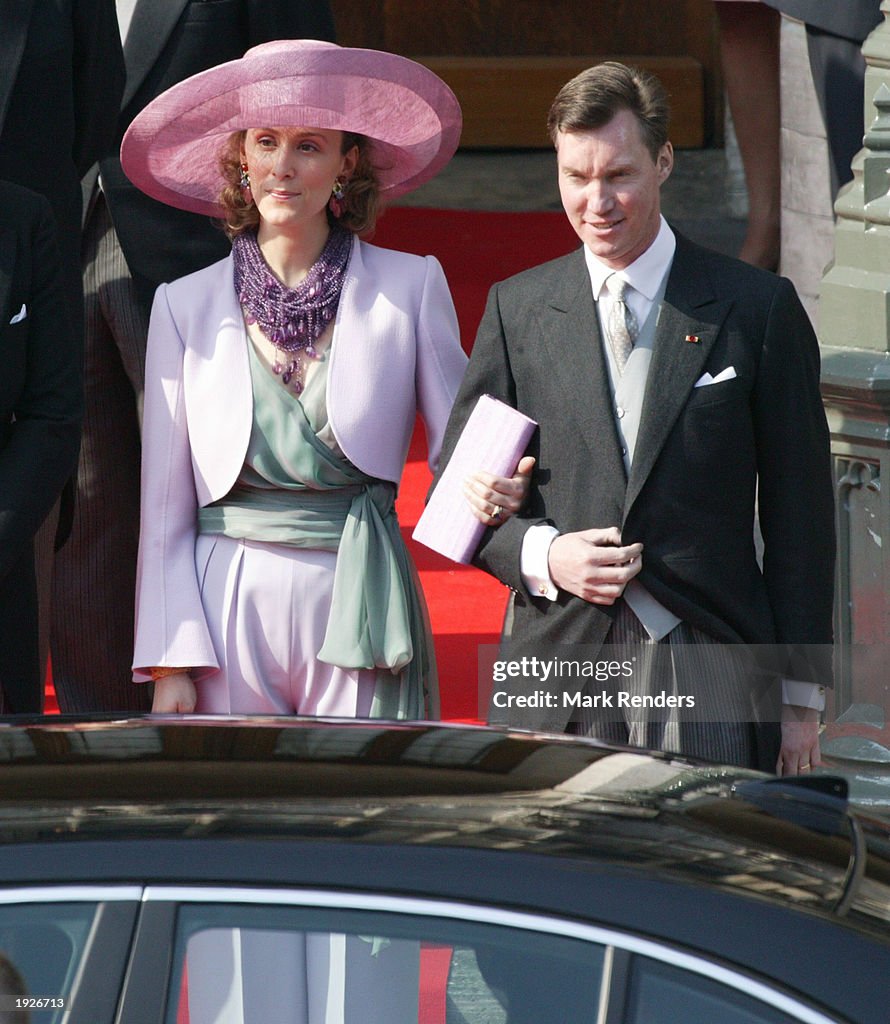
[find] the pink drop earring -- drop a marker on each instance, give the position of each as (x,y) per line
(338,191)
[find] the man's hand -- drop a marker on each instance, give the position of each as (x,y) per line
(175,695)
(593,564)
(495,498)
(800,741)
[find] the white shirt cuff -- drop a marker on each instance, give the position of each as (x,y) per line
(535,572)
(533,564)
(804,695)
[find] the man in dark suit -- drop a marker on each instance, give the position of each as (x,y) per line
(132,244)
(61,79)
(40,410)
(672,386)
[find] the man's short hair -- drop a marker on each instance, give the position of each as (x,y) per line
(591,99)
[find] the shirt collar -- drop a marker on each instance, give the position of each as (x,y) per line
(646,272)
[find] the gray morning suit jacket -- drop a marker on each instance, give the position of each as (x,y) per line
(699,454)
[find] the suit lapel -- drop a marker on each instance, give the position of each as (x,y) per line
(690,320)
(573,353)
(153,21)
(15,18)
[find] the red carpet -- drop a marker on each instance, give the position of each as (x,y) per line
(475,249)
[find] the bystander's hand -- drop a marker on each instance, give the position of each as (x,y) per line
(593,564)
(495,498)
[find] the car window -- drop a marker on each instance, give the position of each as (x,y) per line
(246,965)
(659,993)
(43,944)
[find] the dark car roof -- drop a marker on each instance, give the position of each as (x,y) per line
(394,803)
(431,785)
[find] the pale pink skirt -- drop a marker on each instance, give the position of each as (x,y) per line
(267,608)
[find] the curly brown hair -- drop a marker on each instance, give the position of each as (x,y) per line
(360,204)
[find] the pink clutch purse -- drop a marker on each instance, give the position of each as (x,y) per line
(494,439)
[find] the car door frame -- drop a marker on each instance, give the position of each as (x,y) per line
(148,982)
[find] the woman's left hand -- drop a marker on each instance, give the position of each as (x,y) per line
(495,498)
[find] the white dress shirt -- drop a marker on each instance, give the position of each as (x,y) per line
(125,10)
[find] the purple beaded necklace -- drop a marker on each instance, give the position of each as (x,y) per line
(293,319)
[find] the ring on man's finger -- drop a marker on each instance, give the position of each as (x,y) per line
(496,512)
(805,767)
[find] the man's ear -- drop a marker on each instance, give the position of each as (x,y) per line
(665,162)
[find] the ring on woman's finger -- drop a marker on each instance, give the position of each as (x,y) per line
(804,767)
(496,512)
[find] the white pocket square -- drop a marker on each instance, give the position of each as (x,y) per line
(22,313)
(723,375)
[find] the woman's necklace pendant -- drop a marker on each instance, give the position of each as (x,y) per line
(292,372)
(292,319)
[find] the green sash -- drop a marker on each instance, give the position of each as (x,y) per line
(294,489)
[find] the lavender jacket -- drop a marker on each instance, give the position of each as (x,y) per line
(395,352)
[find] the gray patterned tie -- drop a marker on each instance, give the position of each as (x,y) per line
(623,327)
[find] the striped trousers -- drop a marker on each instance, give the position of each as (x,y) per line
(95,572)
(685,663)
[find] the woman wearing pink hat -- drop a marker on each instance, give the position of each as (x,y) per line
(282,385)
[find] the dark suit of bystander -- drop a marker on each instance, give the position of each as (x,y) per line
(40,410)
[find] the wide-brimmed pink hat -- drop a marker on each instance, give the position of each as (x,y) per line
(412,119)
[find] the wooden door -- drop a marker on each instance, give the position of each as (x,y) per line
(506,59)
